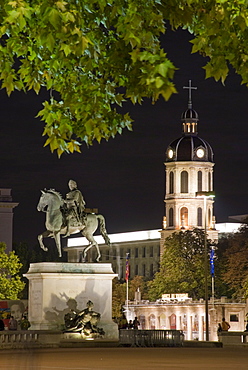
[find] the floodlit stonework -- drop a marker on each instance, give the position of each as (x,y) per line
(188,315)
(57,288)
(6,217)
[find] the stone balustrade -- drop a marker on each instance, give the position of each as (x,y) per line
(233,338)
(29,339)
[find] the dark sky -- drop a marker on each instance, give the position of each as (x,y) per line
(125,178)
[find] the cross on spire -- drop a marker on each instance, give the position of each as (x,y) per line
(190,97)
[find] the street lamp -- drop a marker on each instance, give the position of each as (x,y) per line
(205,195)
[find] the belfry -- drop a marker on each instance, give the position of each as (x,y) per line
(189,180)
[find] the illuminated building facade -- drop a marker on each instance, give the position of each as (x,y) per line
(187,315)
(143,248)
(6,217)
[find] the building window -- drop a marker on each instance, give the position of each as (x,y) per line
(234,317)
(184,217)
(144,270)
(114,254)
(151,270)
(184,182)
(136,270)
(129,252)
(209,181)
(144,252)
(171,187)
(152,322)
(199,216)
(151,251)
(121,252)
(171,217)
(142,321)
(199,180)
(209,218)
(173,321)
(136,252)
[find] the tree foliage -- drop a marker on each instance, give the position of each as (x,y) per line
(10,281)
(118,298)
(182,266)
(119,293)
(138,282)
(235,258)
(94,54)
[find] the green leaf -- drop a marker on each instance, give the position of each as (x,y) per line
(89,127)
(66,48)
(159,82)
(162,69)
(54,17)
(50,42)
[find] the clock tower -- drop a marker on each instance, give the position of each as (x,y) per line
(189,189)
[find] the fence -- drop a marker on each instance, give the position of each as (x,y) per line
(151,338)
(47,338)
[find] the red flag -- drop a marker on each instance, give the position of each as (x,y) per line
(127,266)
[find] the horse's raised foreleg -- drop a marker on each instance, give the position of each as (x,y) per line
(57,241)
(46,234)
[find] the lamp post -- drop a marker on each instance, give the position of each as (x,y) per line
(205,195)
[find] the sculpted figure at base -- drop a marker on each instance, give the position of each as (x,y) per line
(84,322)
(68,217)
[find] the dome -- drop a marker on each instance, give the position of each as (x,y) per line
(189,148)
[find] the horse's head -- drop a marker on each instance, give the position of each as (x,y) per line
(43,202)
(50,199)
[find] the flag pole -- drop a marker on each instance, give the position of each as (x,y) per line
(212,257)
(127,276)
(127,298)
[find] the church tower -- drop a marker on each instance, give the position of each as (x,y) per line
(189,180)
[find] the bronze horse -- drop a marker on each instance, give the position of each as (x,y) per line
(52,203)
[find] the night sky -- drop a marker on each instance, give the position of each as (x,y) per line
(125,178)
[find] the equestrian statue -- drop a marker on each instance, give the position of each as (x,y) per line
(68,217)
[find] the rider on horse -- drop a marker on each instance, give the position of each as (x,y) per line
(75,206)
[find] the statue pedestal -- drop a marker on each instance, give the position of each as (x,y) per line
(56,288)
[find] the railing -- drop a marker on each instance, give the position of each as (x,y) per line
(10,339)
(151,338)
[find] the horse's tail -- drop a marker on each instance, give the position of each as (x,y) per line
(103,230)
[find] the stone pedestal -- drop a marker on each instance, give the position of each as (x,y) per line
(56,288)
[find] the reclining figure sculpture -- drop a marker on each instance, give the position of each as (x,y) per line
(84,322)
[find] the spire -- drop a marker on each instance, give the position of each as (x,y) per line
(190,95)
(190,116)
